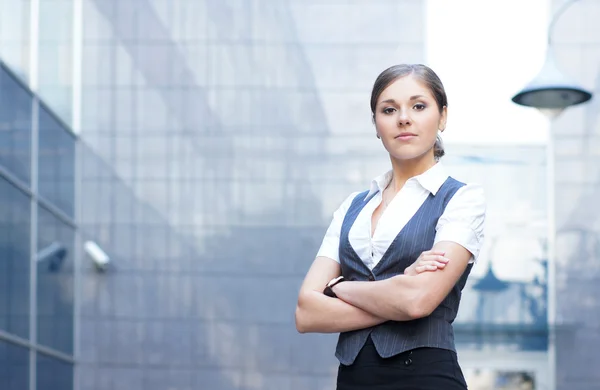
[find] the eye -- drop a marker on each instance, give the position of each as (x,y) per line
(388,110)
(419,106)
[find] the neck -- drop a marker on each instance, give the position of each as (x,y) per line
(405,169)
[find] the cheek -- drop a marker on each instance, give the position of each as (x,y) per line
(433,125)
(385,123)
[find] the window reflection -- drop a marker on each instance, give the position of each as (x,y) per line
(14,260)
(14,367)
(15,126)
(56,162)
(55,282)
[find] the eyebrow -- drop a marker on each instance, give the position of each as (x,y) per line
(415,97)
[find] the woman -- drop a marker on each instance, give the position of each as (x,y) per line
(389,274)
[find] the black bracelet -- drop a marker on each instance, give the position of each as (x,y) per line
(329,292)
(329,288)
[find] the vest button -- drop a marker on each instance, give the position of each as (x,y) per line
(408,362)
(371,278)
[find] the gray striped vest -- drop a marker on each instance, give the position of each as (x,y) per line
(394,337)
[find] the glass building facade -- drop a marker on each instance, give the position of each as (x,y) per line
(37,243)
(211,141)
(232,120)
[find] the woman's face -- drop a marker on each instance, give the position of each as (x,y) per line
(407,119)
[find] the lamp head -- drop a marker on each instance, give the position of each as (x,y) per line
(551,91)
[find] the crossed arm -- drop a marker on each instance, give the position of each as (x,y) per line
(363,304)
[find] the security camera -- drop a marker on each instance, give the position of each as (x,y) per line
(101,259)
(54,254)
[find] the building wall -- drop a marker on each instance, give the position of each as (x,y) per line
(577,139)
(230,119)
(37,242)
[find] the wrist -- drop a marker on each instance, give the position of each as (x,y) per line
(336,290)
(331,284)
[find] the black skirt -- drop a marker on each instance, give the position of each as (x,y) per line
(419,369)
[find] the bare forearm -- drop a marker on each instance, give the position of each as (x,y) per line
(393,299)
(403,297)
(317,313)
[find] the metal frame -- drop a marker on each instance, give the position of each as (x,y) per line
(551,286)
(76,127)
(34,21)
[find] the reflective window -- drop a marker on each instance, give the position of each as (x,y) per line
(53,374)
(14,35)
(56,55)
(56,162)
(14,260)
(15,127)
(55,282)
(14,367)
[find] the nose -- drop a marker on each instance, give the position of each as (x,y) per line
(403,119)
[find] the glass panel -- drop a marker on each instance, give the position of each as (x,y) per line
(14,260)
(55,282)
(56,55)
(14,367)
(14,35)
(15,127)
(504,305)
(53,374)
(56,162)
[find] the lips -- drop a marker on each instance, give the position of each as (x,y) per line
(405,136)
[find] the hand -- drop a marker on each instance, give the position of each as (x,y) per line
(428,261)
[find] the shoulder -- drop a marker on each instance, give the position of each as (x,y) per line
(454,191)
(463,219)
(467,202)
(470,193)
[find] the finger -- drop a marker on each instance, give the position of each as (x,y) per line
(438,258)
(431,265)
(425,268)
(434,252)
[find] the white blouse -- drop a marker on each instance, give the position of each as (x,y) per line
(462,221)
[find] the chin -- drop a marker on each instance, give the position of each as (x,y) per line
(411,155)
(407,158)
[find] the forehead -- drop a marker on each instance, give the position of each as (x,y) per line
(404,88)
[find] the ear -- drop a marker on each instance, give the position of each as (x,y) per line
(374,124)
(443,119)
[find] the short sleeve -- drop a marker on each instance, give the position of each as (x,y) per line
(331,242)
(463,219)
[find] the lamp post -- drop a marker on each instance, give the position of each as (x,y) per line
(551,92)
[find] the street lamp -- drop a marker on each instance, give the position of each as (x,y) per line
(551,91)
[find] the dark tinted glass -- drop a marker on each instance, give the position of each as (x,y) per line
(55,282)
(56,162)
(14,367)
(15,127)
(14,259)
